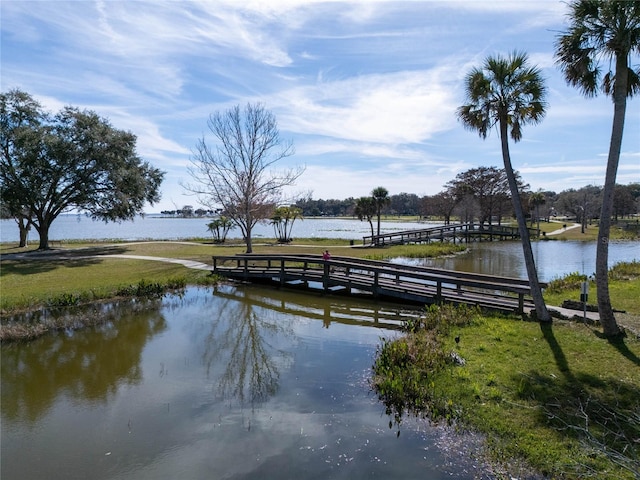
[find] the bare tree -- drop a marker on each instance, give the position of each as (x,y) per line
(237,173)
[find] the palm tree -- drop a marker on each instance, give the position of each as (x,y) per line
(535,200)
(365,210)
(609,31)
(508,93)
(381,198)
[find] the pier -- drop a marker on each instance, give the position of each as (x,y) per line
(378,279)
(455,233)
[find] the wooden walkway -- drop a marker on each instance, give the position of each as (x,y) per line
(377,279)
(327,312)
(455,233)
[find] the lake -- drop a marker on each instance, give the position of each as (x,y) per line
(553,258)
(158,227)
(240,383)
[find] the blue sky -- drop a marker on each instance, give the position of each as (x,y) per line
(367,90)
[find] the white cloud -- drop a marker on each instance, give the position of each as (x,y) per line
(395,108)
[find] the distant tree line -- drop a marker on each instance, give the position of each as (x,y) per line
(481,195)
(187,211)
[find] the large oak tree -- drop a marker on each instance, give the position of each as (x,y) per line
(71,161)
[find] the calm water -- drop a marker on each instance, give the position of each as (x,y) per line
(240,384)
(553,258)
(156,227)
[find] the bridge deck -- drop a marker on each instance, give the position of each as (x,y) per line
(378,279)
(459,232)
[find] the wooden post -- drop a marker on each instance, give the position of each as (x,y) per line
(376,276)
(521,303)
(325,276)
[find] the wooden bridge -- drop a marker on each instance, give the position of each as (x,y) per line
(346,313)
(378,279)
(460,232)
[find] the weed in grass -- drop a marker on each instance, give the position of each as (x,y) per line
(570,281)
(404,366)
(625,271)
(64,300)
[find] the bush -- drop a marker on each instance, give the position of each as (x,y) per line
(404,366)
(571,281)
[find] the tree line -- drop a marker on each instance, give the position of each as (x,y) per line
(477,201)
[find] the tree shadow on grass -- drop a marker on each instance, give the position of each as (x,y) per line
(41,262)
(602,413)
(556,349)
(620,345)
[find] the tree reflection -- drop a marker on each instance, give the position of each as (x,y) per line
(242,339)
(88,364)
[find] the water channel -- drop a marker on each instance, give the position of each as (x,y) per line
(238,383)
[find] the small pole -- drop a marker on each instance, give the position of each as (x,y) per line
(584,295)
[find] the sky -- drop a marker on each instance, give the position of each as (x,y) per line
(366,90)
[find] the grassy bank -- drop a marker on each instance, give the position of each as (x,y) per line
(558,399)
(32,279)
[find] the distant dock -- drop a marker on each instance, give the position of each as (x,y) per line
(455,233)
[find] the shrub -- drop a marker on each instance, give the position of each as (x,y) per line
(571,281)
(404,366)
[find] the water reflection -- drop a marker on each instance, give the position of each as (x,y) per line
(90,368)
(242,338)
(164,395)
(328,309)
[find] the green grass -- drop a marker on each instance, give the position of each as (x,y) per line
(624,288)
(32,283)
(34,280)
(528,388)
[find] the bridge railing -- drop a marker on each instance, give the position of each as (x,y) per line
(378,277)
(453,232)
(406,236)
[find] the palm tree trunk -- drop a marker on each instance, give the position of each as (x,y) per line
(610,327)
(536,292)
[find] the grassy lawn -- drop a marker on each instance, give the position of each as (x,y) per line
(35,278)
(32,284)
(532,389)
(557,399)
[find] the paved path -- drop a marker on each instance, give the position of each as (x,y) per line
(563,229)
(187,263)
